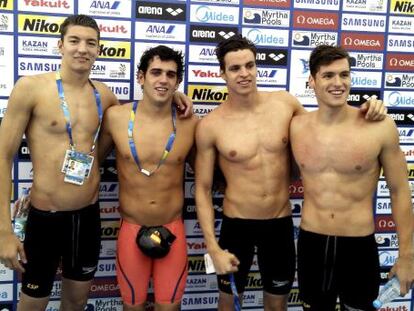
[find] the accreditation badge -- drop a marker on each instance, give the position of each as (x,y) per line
(76,167)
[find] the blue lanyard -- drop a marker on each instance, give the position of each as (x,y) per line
(66,113)
(132,146)
(236,299)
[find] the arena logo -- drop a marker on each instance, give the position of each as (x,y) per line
(157,10)
(356,22)
(317,4)
(269,3)
(365,42)
(315,20)
(40,24)
(401,116)
(211,34)
(402,7)
(400,43)
(271,57)
(214,14)
(367,60)
(399,80)
(265,17)
(268,37)
(399,61)
(47,4)
(313,39)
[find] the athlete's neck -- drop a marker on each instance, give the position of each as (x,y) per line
(243,102)
(73,78)
(332,115)
(155,110)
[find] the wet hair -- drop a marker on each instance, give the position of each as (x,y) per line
(78,20)
(165,54)
(325,55)
(232,44)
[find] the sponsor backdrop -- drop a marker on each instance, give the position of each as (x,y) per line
(378,33)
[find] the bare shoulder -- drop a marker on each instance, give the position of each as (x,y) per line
(280,100)
(301,121)
(108,97)
(28,90)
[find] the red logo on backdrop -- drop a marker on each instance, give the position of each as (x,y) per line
(104,287)
(384,223)
(196,245)
(315,20)
(48,4)
(364,42)
(296,189)
(396,61)
(112,29)
(269,3)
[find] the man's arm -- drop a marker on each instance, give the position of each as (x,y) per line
(19,109)
(184,104)
(395,170)
(224,262)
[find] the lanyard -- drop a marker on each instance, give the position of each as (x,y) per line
(237,306)
(66,113)
(132,146)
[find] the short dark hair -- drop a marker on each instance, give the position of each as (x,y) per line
(78,20)
(165,54)
(324,55)
(234,43)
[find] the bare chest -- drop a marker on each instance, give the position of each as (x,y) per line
(238,141)
(150,144)
(48,115)
(342,153)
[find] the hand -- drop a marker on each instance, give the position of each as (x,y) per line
(224,262)
(404,269)
(10,249)
(184,105)
(374,109)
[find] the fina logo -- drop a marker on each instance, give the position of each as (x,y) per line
(305,64)
(205,14)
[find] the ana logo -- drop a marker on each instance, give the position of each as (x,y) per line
(160,29)
(262,73)
(105,5)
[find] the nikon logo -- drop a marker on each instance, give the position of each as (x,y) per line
(112,52)
(206,94)
(404,7)
(114,49)
(40,25)
(3,4)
